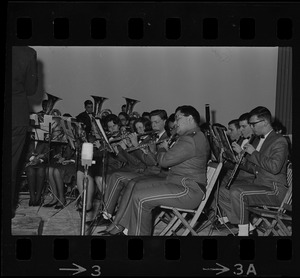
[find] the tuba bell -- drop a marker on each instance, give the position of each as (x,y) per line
(130,103)
(50,103)
(98,102)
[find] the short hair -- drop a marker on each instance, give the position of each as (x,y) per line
(145,114)
(125,115)
(124,105)
(87,102)
(146,123)
(114,118)
(235,122)
(261,112)
(244,117)
(188,110)
(159,112)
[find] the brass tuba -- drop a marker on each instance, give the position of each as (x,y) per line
(130,103)
(98,102)
(50,103)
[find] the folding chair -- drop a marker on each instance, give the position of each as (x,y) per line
(180,216)
(275,219)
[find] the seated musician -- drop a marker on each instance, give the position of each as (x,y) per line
(228,167)
(35,168)
(267,159)
(119,179)
(61,171)
(131,162)
(112,162)
(234,131)
(93,171)
(124,119)
(184,185)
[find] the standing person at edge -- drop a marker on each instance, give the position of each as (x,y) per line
(24,84)
(183,187)
(267,161)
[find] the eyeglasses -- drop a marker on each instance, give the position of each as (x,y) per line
(254,123)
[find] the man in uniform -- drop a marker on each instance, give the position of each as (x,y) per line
(184,185)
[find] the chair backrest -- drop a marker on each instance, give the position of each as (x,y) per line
(212,169)
(287,201)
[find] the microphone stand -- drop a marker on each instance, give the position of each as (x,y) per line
(85,185)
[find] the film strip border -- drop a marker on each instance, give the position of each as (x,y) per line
(152,24)
(151,256)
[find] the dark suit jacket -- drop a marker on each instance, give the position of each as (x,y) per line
(86,120)
(24,83)
(269,164)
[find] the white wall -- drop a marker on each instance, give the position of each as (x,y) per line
(233,80)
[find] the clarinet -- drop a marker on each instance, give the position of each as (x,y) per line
(237,165)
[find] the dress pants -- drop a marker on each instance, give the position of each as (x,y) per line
(235,201)
(115,184)
(149,193)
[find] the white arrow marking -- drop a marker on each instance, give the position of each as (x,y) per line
(78,269)
(223,269)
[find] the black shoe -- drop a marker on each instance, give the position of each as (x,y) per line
(30,203)
(253,233)
(37,203)
(88,210)
(49,205)
(60,206)
(101,221)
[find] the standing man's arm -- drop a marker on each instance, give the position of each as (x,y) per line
(31,80)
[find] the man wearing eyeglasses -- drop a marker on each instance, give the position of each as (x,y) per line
(267,161)
(185,184)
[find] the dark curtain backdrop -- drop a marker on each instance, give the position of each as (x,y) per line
(283,107)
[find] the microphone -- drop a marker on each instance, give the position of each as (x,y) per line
(87,154)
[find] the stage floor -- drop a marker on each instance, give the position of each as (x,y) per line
(52,222)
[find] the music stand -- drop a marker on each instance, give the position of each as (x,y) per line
(51,137)
(226,151)
(69,127)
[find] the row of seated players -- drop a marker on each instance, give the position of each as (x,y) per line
(177,175)
(59,164)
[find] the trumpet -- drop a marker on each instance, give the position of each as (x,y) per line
(124,136)
(140,146)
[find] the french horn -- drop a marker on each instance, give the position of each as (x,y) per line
(98,102)
(130,103)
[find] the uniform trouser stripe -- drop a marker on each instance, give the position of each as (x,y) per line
(274,191)
(115,186)
(158,197)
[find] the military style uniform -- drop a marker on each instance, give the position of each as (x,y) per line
(183,187)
